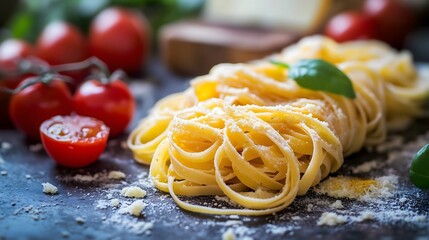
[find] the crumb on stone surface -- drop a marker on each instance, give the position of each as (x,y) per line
(49,188)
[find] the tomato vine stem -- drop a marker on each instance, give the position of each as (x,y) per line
(103,71)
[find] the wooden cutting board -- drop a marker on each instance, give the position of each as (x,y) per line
(193,47)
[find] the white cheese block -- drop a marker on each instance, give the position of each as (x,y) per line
(303,16)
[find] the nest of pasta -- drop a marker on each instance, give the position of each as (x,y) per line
(249,132)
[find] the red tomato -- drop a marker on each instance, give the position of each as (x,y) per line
(349,26)
(393,18)
(112,103)
(11,51)
(120,38)
(38,102)
(61,43)
(74,141)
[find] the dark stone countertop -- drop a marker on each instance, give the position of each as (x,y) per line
(27,213)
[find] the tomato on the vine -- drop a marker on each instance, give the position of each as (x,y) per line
(37,102)
(110,102)
(349,26)
(120,38)
(74,141)
(61,43)
(394,19)
(11,51)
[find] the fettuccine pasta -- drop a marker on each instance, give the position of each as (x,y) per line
(250,133)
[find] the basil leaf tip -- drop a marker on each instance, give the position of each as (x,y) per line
(419,171)
(319,75)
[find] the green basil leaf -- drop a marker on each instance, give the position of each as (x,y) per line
(280,64)
(419,171)
(317,74)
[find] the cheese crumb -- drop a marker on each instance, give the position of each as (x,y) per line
(80,220)
(36,147)
(3,173)
(124,145)
(310,207)
(114,202)
(136,208)
(135,192)
(65,234)
(28,176)
(402,199)
(419,218)
(331,219)
(337,204)
(6,146)
(228,235)
(49,188)
(365,216)
(116,175)
(366,167)
(233,222)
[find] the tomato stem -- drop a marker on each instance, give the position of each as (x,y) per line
(25,66)
(90,62)
(44,78)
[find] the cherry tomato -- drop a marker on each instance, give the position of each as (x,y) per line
(110,102)
(11,51)
(61,43)
(38,102)
(120,38)
(394,19)
(349,26)
(74,141)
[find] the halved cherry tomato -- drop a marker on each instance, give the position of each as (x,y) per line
(110,102)
(61,43)
(11,51)
(349,26)
(74,141)
(34,104)
(120,38)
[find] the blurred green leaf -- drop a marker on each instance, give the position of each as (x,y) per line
(34,15)
(21,25)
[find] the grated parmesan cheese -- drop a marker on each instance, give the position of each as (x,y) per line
(135,192)
(356,188)
(65,234)
(114,202)
(136,208)
(331,219)
(310,207)
(5,146)
(233,222)
(80,220)
(365,216)
(116,175)
(228,235)
(366,167)
(36,147)
(3,173)
(337,204)
(49,188)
